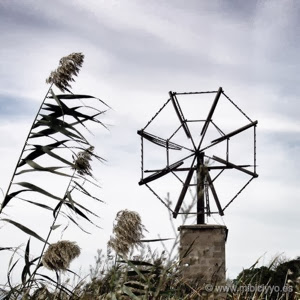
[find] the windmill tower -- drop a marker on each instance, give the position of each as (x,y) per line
(202,147)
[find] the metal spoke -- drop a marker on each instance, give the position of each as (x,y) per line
(184,190)
(214,193)
(211,112)
(180,115)
(231,134)
(234,166)
(160,173)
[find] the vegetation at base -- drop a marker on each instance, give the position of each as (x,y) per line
(152,276)
(280,276)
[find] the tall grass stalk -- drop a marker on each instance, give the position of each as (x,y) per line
(25,144)
(31,278)
(58,120)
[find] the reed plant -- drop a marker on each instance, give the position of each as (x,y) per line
(56,145)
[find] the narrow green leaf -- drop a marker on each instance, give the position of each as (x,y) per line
(52,154)
(81,206)
(41,168)
(84,191)
(37,167)
(9,197)
(55,226)
(12,257)
(137,262)
(57,208)
(36,203)
(37,189)
(6,248)
(39,151)
(24,229)
(57,284)
(56,125)
(90,181)
(26,269)
(155,240)
(9,272)
(79,212)
(56,129)
(27,250)
(72,96)
(43,133)
(78,96)
(69,217)
(57,100)
(70,199)
(57,113)
(70,271)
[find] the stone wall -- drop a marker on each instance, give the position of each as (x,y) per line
(202,253)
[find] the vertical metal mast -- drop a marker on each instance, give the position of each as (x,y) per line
(200,188)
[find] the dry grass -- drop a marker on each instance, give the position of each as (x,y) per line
(59,255)
(69,66)
(82,162)
(128,231)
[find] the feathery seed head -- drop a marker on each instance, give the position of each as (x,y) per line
(59,255)
(128,231)
(82,162)
(69,66)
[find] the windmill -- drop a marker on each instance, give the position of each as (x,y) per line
(197,147)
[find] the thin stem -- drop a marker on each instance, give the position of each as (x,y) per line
(114,274)
(25,144)
(31,278)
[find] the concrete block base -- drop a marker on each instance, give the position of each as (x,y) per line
(202,253)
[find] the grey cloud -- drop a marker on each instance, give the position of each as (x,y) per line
(14,107)
(24,16)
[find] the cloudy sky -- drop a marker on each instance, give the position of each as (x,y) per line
(135,53)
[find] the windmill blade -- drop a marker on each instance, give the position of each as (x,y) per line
(180,114)
(229,164)
(183,192)
(213,191)
(227,136)
(225,167)
(158,141)
(209,168)
(161,173)
(211,112)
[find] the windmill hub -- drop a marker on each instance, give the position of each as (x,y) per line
(199,154)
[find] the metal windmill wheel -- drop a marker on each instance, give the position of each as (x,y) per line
(205,183)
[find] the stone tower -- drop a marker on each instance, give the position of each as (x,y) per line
(202,253)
